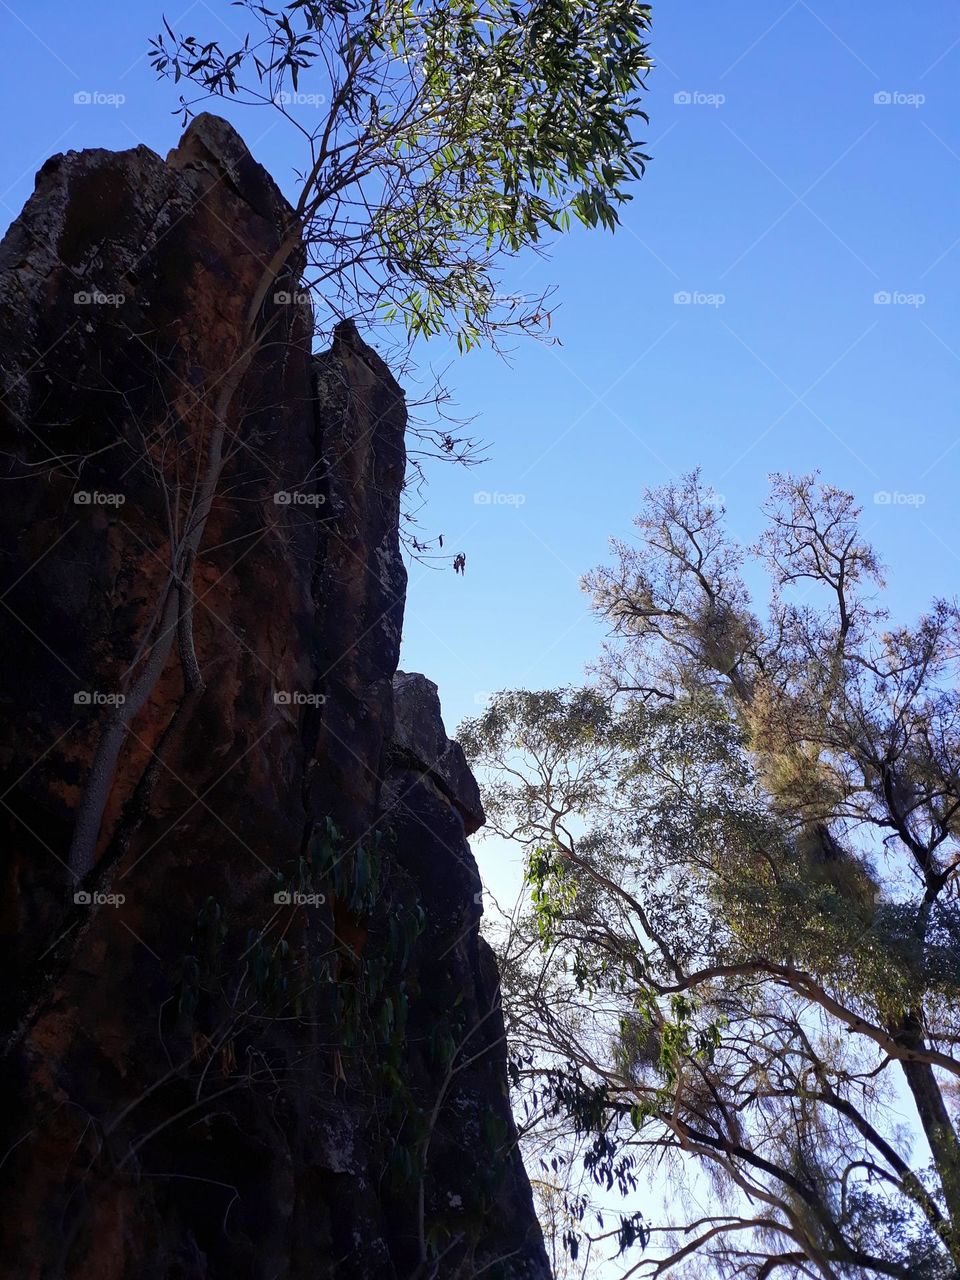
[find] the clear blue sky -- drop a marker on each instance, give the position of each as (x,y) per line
(782,185)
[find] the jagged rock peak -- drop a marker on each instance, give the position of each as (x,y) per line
(211,144)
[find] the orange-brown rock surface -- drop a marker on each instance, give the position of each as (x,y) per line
(250,1030)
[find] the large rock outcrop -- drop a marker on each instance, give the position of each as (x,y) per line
(250,1030)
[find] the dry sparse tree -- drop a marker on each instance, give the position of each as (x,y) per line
(740,961)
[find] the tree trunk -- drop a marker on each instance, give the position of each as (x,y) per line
(938,1129)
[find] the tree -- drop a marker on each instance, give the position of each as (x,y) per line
(452,137)
(742,860)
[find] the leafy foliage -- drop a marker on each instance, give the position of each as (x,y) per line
(451,135)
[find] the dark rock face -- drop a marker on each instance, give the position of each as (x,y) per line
(420,739)
(260,1036)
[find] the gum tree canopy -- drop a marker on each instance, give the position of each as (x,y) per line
(740,962)
(436,139)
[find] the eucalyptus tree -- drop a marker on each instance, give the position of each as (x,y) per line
(741,958)
(436,143)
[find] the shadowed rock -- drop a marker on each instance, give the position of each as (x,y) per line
(419,735)
(201,1079)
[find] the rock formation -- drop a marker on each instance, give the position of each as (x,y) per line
(250,1029)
